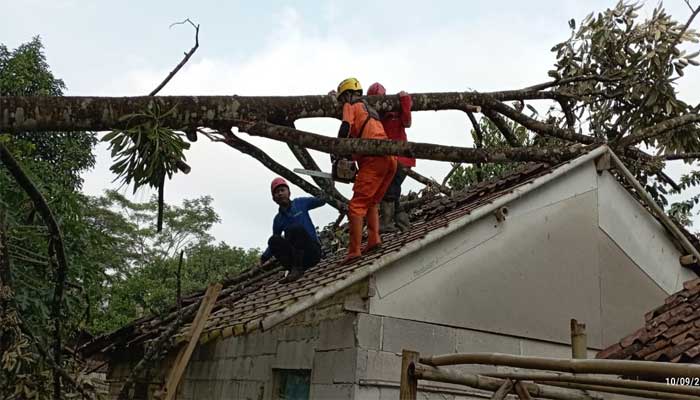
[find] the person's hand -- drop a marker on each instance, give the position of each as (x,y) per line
(402,93)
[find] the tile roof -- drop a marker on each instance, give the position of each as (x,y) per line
(671,332)
(265,296)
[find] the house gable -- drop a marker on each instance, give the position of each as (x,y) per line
(549,261)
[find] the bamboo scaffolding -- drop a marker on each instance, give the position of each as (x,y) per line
(649,394)
(447,375)
(643,385)
(609,367)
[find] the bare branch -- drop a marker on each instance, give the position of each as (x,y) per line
(184,60)
(251,150)
(408,149)
(572,79)
(503,127)
(681,156)
(427,181)
(535,125)
(306,161)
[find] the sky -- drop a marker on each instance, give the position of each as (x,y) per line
(126,48)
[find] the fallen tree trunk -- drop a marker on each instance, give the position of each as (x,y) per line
(47,113)
(427,151)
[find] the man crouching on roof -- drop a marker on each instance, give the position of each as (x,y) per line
(299,249)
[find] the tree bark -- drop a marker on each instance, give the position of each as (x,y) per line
(427,151)
(46,113)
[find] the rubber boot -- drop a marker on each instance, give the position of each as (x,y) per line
(355,236)
(402,221)
(386,217)
(373,238)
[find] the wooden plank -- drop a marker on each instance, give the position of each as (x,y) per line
(192,337)
(409,383)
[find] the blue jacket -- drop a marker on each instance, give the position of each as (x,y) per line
(296,214)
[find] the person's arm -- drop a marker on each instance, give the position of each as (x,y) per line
(348,121)
(406,104)
(309,203)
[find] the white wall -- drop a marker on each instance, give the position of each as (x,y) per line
(569,249)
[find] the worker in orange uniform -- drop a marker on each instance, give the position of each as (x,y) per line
(375,172)
(395,124)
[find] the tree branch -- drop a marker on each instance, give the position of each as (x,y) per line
(535,125)
(302,155)
(503,127)
(67,113)
(251,150)
(56,244)
(427,181)
(656,130)
(681,156)
(427,151)
(184,60)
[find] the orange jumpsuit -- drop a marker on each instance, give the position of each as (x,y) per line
(375,172)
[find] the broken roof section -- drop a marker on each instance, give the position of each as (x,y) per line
(265,302)
(671,332)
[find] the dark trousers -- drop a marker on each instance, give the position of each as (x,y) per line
(394,192)
(295,249)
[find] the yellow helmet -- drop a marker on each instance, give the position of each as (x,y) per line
(348,84)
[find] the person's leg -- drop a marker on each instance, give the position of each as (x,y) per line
(385,168)
(362,193)
(389,204)
(299,241)
(282,250)
(400,216)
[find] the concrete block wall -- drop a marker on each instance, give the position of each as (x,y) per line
(380,341)
(321,340)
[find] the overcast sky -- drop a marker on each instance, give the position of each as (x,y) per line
(125,48)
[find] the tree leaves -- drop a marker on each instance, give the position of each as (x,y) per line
(146,151)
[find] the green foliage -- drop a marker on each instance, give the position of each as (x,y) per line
(465,176)
(146,151)
(632,66)
(144,281)
(54,162)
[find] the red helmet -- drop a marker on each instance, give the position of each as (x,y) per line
(278,182)
(376,89)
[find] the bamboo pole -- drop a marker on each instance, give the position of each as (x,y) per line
(649,394)
(503,390)
(643,385)
(522,392)
(409,383)
(448,375)
(610,367)
(579,345)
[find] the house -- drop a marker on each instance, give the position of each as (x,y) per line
(502,267)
